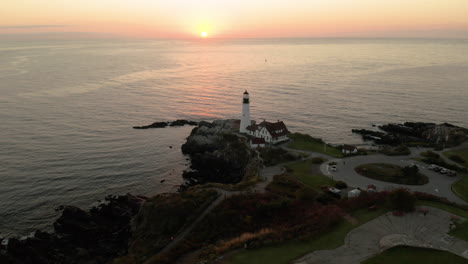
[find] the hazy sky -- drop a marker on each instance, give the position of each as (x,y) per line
(238,18)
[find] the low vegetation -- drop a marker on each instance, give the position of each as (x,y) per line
(274,155)
(309,143)
(460,187)
(460,156)
(408,175)
(430,157)
(460,230)
(411,255)
(286,252)
(396,151)
(308,172)
(162,216)
(402,200)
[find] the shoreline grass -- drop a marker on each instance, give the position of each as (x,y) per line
(309,143)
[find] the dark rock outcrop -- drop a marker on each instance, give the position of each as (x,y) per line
(97,236)
(178,122)
(416,132)
(218,153)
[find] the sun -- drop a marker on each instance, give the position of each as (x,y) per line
(204,34)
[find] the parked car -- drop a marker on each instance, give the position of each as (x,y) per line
(432,166)
(333,168)
(444,171)
(452,173)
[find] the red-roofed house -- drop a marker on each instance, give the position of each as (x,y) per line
(270,132)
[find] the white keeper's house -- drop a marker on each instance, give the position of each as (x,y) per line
(270,132)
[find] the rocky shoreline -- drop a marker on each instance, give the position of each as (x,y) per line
(416,133)
(176,123)
(95,236)
(218,153)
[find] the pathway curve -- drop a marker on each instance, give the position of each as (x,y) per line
(386,231)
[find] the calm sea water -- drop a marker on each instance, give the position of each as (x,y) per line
(67,108)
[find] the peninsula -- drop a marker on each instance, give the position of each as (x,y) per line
(258,193)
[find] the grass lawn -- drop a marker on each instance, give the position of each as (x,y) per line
(448,208)
(460,187)
(461,231)
(309,174)
(463,153)
(390,173)
(306,142)
(411,255)
(286,252)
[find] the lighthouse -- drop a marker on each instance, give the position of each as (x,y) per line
(245,121)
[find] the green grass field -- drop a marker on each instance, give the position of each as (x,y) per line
(412,255)
(306,142)
(460,152)
(286,252)
(460,187)
(303,171)
(389,173)
(461,231)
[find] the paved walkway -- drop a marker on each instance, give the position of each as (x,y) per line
(415,229)
(439,184)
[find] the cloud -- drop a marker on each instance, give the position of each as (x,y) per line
(33,26)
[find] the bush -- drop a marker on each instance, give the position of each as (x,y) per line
(402,200)
(317,160)
(341,185)
(457,158)
(430,154)
(396,151)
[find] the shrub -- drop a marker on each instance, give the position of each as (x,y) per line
(317,160)
(396,151)
(341,185)
(457,158)
(402,200)
(430,154)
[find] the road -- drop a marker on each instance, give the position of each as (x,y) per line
(439,184)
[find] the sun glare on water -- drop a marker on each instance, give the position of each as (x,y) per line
(204,34)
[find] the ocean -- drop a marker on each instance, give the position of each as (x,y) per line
(67,107)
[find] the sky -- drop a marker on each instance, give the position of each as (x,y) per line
(236,18)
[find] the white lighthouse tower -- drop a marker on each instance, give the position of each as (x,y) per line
(245,121)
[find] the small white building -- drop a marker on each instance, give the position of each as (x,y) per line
(257,142)
(271,132)
(349,149)
(354,193)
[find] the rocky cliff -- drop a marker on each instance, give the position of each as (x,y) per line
(218,153)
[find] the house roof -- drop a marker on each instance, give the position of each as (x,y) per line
(349,147)
(252,127)
(257,141)
(277,129)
